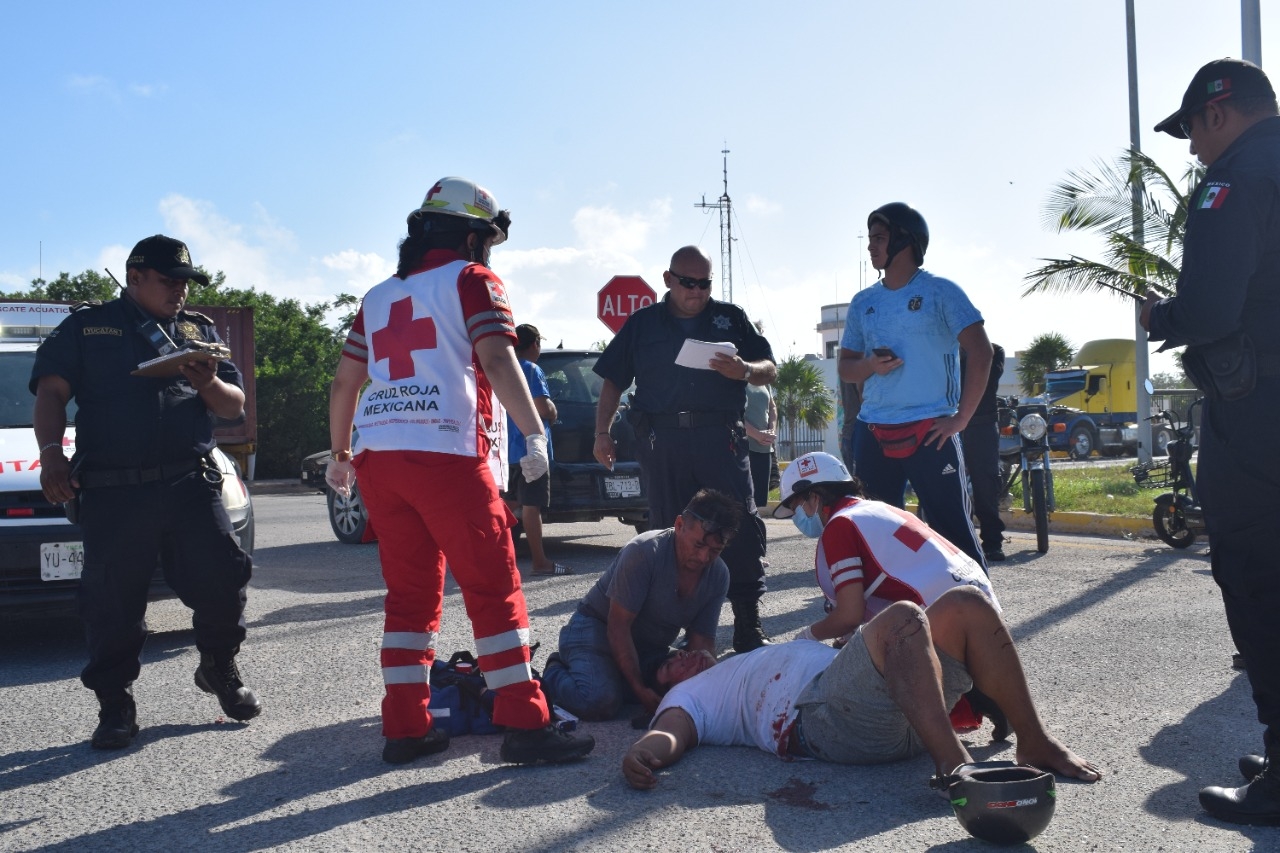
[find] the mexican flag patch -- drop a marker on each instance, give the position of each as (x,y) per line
(1213,196)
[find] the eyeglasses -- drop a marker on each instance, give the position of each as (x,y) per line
(1185,124)
(690,283)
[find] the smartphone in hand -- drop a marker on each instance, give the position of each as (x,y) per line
(884,352)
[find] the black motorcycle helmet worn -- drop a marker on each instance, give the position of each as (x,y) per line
(999,801)
(906,228)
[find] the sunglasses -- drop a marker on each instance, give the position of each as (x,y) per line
(709,527)
(690,283)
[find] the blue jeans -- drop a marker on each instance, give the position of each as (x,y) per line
(586,681)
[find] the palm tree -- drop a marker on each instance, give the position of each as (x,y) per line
(1049,351)
(801,395)
(1103,202)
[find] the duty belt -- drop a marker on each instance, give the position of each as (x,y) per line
(136,476)
(686,420)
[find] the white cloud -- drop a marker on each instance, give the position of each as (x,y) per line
(760,206)
(148,90)
(360,269)
(93,84)
(603,228)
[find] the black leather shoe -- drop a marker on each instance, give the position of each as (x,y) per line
(1256,804)
(995,555)
(221,677)
(405,749)
(117,721)
(1251,766)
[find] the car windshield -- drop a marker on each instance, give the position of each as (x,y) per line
(569,376)
(16,402)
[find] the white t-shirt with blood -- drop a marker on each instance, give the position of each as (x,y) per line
(749,699)
(893,554)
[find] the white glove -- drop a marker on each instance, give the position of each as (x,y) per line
(535,462)
(806,633)
(340,476)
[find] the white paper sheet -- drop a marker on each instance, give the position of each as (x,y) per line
(698,354)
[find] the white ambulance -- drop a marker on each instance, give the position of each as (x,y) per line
(41,554)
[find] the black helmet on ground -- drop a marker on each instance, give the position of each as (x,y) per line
(999,801)
(906,228)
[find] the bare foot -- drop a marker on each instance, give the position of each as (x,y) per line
(1053,756)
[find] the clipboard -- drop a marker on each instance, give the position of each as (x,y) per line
(167,365)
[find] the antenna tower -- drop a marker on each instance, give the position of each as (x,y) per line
(725,206)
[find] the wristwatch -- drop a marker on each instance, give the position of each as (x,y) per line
(340,455)
(750,370)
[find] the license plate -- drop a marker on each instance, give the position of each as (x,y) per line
(622,487)
(60,561)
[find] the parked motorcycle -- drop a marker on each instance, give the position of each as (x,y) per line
(1024,453)
(1177,516)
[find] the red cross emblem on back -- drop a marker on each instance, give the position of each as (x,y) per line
(397,341)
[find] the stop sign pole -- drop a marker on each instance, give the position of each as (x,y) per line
(620,298)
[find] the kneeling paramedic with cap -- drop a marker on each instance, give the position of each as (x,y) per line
(871,554)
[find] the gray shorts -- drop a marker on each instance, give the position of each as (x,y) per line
(847,715)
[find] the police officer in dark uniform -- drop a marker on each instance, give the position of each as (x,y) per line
(981,442)
(147,490)
(688,421)
(1226,311)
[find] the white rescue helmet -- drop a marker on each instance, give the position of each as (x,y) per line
(804,473)
(467,200)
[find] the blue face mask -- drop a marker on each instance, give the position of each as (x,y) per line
(809,525)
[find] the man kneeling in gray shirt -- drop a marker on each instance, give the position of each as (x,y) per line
(661,582)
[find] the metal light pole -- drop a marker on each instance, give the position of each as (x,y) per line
(1141,363)
(1251,32)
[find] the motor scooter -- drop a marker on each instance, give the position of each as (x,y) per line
(1024,453)
(1177,517)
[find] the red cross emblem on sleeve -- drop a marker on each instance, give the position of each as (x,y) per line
(397,341)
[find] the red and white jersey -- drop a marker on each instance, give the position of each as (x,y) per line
(893,554)
(426,388)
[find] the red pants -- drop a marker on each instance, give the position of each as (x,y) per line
(429,508)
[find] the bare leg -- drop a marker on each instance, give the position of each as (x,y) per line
(968,628)
(900,645)
(531,516)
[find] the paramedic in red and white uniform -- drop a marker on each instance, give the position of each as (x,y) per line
(871,554)
(435,343)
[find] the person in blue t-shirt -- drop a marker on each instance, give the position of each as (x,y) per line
(533,498)
(902,341)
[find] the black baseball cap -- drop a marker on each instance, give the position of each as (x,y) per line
(166,256)
(1220,79)
(527,335)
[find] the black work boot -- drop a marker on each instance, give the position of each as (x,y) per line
(117,719)
(549,744)
(402,750)
(219,675)
(747,633)
(1256,804)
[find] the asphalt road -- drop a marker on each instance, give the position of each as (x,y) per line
(1125,643)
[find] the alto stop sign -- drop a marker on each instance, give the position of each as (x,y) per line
(620,298)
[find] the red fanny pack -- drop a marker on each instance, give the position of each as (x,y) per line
(898,441)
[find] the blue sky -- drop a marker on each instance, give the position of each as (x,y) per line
(286,142)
